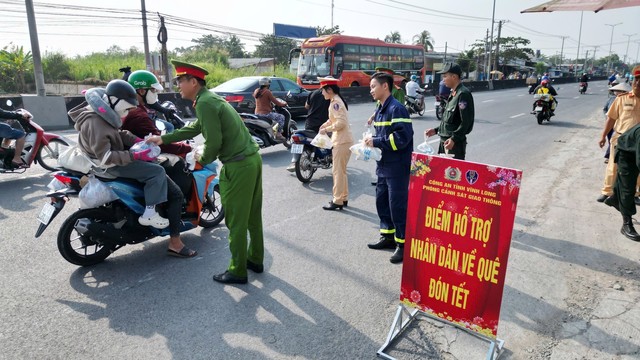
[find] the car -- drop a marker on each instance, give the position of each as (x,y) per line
(239,93)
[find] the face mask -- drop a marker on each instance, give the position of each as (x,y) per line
(151,97)
(122,107)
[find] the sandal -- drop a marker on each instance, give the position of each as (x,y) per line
(18,165)
(184,253)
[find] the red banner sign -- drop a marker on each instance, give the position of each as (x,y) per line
(459,222)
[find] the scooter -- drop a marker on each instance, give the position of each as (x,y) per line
(582,88)
(167,111)
(88,236)
(440,104)
(415,105)
(40,146)
(307,157)
(542,109)
(263,130)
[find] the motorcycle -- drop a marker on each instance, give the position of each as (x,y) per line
(532,87)
(582,88)
(88,236)
(263,129)
(307,157)
(415,105)
(40,146)
(440,104)
(542,109)
(167,111)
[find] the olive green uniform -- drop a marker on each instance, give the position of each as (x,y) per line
(457,121)
(226,138)
(398,94)
(627,158)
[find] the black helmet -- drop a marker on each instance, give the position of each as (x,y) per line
(123,91)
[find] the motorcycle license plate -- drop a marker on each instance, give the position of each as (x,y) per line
(297,148)
(538,108)
(46,213)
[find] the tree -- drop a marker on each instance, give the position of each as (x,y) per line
(393,38)
(328,30)
(512,48)
(234,47)
(424,39)
(541,68)
(467,61)
(56,67)
(15,65)
(270,45)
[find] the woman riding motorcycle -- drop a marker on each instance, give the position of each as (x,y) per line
(546,88)
(264,99)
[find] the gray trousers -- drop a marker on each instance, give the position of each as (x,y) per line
(151,175)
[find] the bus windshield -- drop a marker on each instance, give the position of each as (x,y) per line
(313,65)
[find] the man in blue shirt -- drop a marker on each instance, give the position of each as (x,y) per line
(394,136)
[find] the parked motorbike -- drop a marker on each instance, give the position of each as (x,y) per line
(166,111)
(89,236)
(440,104)
(582,88)
(415,105)
(308,158)
(262,129)
(542,109)
(40,146)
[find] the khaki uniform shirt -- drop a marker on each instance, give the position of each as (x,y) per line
(625,110)
(338,123)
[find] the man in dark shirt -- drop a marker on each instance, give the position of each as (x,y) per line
(317,113)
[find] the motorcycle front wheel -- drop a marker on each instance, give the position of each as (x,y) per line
(83,250)
(304,169)
(48,155)
(212,212)
(292,128)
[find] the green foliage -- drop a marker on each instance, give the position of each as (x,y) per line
(104,66)
(541,68)
(282,46)
(210,55)
(328,30)
(467,61)
(393,38)
(56,67)
(512,48)
(221,47)
(16,67)
(424,39)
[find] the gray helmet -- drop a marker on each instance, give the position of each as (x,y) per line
(264,81)
(122,90)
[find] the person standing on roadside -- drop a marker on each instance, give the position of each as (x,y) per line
(394,136)
(623,114)
(226,138)
(459,115)
(338,126)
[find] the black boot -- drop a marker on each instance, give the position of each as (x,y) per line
(628,230)
(396,258)
(385,242)
(613,201)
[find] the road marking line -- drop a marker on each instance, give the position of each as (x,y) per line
(577,97)
(515,116)
(430,110)
(490,100)
(521,95)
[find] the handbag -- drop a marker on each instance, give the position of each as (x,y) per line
(75,159)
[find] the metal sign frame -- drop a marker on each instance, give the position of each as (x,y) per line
(405,316)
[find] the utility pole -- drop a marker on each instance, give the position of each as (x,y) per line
(493,16)
(147,57)
(35,49)
(162,38)
(584,65)
(628,40)
(562,48)
(638,51)
(579,38)
(485,60)
(332,14)
(495,58)
(445,52)
(610,44)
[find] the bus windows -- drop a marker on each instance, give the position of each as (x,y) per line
(381,64)
(351,48)
(365,49)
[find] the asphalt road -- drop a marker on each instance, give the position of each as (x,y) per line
(324,294)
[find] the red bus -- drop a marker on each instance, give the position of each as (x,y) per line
(353,60)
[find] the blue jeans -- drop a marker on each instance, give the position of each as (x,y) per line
(9,132)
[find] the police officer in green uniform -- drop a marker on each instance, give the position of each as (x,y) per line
(457,120)
(397,92)
(226,138)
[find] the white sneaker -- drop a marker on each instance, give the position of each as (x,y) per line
(291,168)
(155,221)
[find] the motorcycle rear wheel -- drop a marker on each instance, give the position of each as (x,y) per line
(540,117)
(304,169)
(48,155)
(80,249)
(212,212)
(421,111)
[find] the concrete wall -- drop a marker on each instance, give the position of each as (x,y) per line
(50,112)
(66,89)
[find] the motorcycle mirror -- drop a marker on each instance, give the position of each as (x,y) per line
(289,94)
(9,102)
(160,125)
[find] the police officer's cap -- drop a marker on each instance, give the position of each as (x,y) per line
(183,68)
(451,68)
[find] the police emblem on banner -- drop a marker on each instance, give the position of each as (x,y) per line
(452,174)
(471,176)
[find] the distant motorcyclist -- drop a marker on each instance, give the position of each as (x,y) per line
(546,88)
(545,77)
(11,129)
(414,92)
(264,99)
(585,79)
